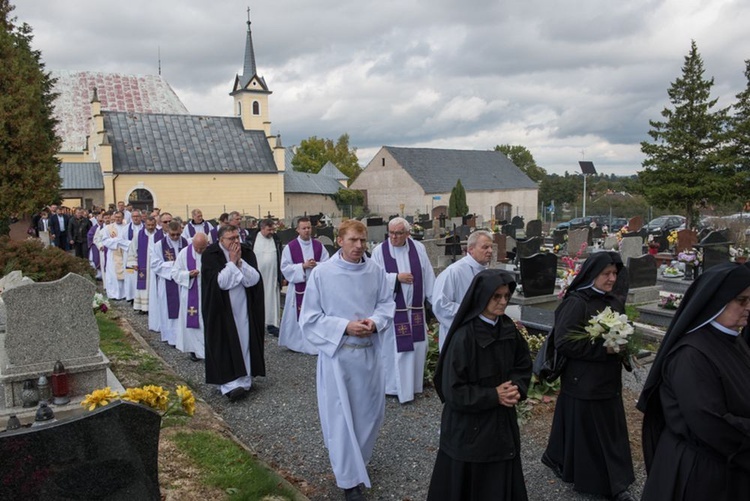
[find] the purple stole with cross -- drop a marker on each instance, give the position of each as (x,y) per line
(193,299)
(173,290)
(295,249)
(407,333)
(143,258)
(191,229)
(130,231)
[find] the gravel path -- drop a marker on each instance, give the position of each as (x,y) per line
(279,421)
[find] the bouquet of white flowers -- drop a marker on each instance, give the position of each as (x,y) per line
(612,327)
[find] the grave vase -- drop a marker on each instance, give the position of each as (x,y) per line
(689,271)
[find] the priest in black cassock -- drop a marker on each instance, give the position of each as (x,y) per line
(588,443)
(233,314)
(696,400)
(483,372)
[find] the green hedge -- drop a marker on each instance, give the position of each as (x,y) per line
(39,263)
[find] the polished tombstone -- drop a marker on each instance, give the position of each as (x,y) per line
(534,228)
(35,338)
(576,239)
(596,233)
(538,274)
(611,242)
(528,247)
(558,237)
(642,271)
(287,235)
(631,246)
(517,221)
(686,239)
(715,247)
(501,241)
(635,224)
(508,229)
(110,453)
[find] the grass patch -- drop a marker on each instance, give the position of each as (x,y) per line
(112,340)
(631,311)
(228,466)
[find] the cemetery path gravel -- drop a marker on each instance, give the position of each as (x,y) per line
(279,421)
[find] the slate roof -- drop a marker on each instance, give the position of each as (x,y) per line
(81,176)
(330,170)
(173,144)
(117,92)
(305,182)
(437,170)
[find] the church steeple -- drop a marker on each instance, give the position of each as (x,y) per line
(250,91)
(248,69)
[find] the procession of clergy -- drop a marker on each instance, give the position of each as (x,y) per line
(214,292)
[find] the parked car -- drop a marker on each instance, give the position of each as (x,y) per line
(617,224)
(664,224)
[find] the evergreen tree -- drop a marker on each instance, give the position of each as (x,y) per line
(524,160)
(739,147)
(313,153)
(457,204)
(684,167)
(29,171)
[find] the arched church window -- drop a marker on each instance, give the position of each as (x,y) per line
(503,212)
(239,109)
(141,199)
(256,108)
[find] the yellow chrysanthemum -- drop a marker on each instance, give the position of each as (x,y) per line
(136,395)
(99,398)
(157,397)
(187,399)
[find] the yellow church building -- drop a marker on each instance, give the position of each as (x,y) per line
(143,147)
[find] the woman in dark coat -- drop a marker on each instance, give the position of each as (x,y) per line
(589,444)
(483,372)
(696,400)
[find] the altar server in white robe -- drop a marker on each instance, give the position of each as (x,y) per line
(114,238)
(186,272)
(162,261)
(139,259)
(155,303)
(454,281)
(347,306)
(298,259)
(410,278)
(131,274)
(267,248)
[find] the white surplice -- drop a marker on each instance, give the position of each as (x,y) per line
(114,238)
(163,272)
(189,339)
(265,252)
(142,298)
(350,382)
(450,287)
(290,334)
(131,274)
(235,281)
(404,371)
(199,228)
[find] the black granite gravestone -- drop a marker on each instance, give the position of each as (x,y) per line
(508,229)
(374,221)
(715,248)
(642,270)
(453,245)
(663,242)
(528,247)
(287,235)
(558,237)
(534,228)
(596,233)
(326,231)
(517,221)
(463,232)
(110,453)
(538,274)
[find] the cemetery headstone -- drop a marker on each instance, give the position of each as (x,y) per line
(409,219)
(453,245)
(538,274)
(463,232)
(287,235)
(635,224)
(517,221)
(631,246)
(110,453)
(326,231)
(558,237)
(597,233)
(508,229)
(642,271)
(715,248)
(527,247)
(662,241)
(501,242)
(611,243)
(374,221)
(576,239)
(534,228)
(686,239)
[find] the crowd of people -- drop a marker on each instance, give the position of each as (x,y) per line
(213,292)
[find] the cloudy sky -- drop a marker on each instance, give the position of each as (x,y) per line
(568,79)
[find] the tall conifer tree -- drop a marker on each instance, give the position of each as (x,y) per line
(739,146)
(29,171)
(683,166)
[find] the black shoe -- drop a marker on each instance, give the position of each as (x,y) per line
(623,496)
(193,357)
(354,494)
(546,461)
(272,330)
(236,394)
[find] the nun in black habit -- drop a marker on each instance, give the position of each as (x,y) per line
(483,372)
(696,400)
(588,443)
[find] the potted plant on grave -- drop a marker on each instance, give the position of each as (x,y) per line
(739,254)
(417,231)
(691,258)
(653,246)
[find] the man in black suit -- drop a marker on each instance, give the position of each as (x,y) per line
(78,229)
(58,228)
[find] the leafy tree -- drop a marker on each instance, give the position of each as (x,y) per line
(29,171)
(739,146)
(561,189)
(346,197)
(457,204)
(683,167)
(524,160)
(313,153)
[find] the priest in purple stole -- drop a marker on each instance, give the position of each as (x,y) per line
(298,259)
(139,254)
(162,261)
(198,225)
(186,272)
(411,279)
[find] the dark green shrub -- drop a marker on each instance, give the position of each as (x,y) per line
(39,263)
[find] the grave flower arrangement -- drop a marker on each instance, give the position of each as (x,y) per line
(672,238)
(670,302)
(101,303)
(152,396)
(690,257)
(672,272)
(571,269)
(739,254)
